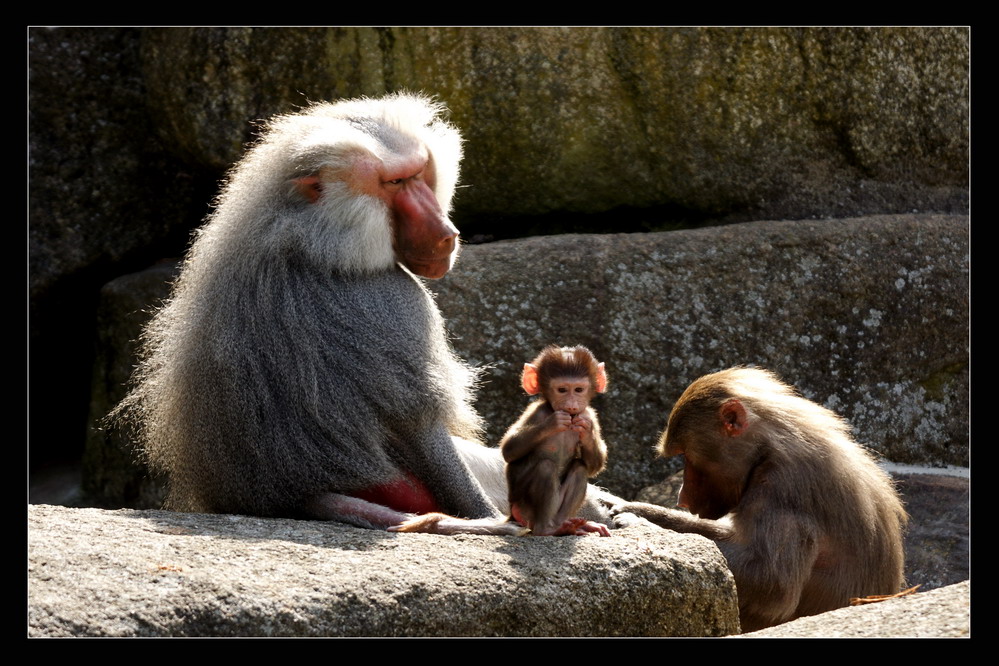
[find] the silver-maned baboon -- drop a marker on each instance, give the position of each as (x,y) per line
(811,519)
(299,368)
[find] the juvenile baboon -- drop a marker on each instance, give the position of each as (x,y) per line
(555,445)
(810,519)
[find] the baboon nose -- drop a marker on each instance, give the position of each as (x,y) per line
(446,245)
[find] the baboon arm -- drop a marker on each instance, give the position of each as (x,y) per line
(437,462)
(438,523)
(362,513)
(354,511)
(594,452)
(674,519)
(523,442)
(530,430)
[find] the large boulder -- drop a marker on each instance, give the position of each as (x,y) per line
(941,613)
(159,573)
(566,129)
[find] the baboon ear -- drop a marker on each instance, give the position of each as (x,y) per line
(310,187)
(601,378)
(529,380)
(733,417)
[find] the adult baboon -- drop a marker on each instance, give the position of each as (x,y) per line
(299,368)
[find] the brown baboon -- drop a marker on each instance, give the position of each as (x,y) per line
(811,520)
(555,445)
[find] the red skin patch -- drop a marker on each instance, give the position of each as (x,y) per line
(515,512)
(408,495)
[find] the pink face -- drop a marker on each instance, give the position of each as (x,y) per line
(706,490)
(569,394)
(423,238)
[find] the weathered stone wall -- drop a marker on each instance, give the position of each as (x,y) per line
(782,122)
(566,128)
(867,316)
(763,123)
